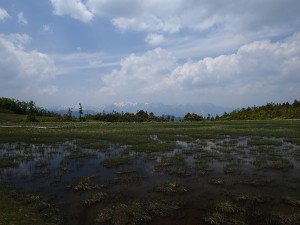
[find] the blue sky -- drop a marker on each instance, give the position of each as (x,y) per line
(229,53)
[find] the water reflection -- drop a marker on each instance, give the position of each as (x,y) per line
(72,173)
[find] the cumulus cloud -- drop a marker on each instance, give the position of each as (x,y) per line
(17,64)
(140,74)
(23,72)
(3,14)
(258,68)
(22,19)
(154,39)
(260,61)
(74,8)
(206,72)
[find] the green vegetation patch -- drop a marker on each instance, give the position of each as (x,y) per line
(12,118)
(182,171)
(231,168)
(203,154)
(227,206)
(230,211)
(136,212)
(277,163)
(291,200)
(171,187)
(279,218)
(201,166)
(123,214)
(116,161)
(227,150)
(92,144)
(261,141)
(216,181)
(215,218)
(78,154)
(282,164)
(7,162)
(27,211)
(95,198)
(250,198)
(127,171)
(86,185)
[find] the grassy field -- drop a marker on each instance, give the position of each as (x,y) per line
(137,133)
(11,118)
(229,172)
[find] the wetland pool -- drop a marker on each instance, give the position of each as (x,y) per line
(227,180)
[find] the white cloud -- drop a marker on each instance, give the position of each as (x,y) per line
(261,61)
(216,44)
(154,39)
(209,20)
(146,23)
(140,74)
(258,71)
(22,19)
(47,28)
(137,15)
(23,72)
(114,8)
(74,8)
(172,16)
(107,91)
(70,63)
(3,14)
(49,90)
(19,64)
(19,39)
(206,72)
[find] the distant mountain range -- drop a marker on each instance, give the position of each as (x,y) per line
(178,110)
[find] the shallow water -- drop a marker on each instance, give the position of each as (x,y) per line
(186,185)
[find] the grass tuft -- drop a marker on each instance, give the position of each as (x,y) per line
(116,161)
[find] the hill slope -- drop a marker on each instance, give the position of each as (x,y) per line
(268,111)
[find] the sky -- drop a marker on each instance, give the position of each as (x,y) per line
(232,53)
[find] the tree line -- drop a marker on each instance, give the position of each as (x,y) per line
(10,105)
(267,111)
(139,116)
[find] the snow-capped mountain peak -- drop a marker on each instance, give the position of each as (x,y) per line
(178,110)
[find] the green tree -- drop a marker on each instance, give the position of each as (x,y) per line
(193,117)
(31,112)
(68,116)
(142,116)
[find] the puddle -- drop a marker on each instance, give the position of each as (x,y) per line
(154,137)
(207,170)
